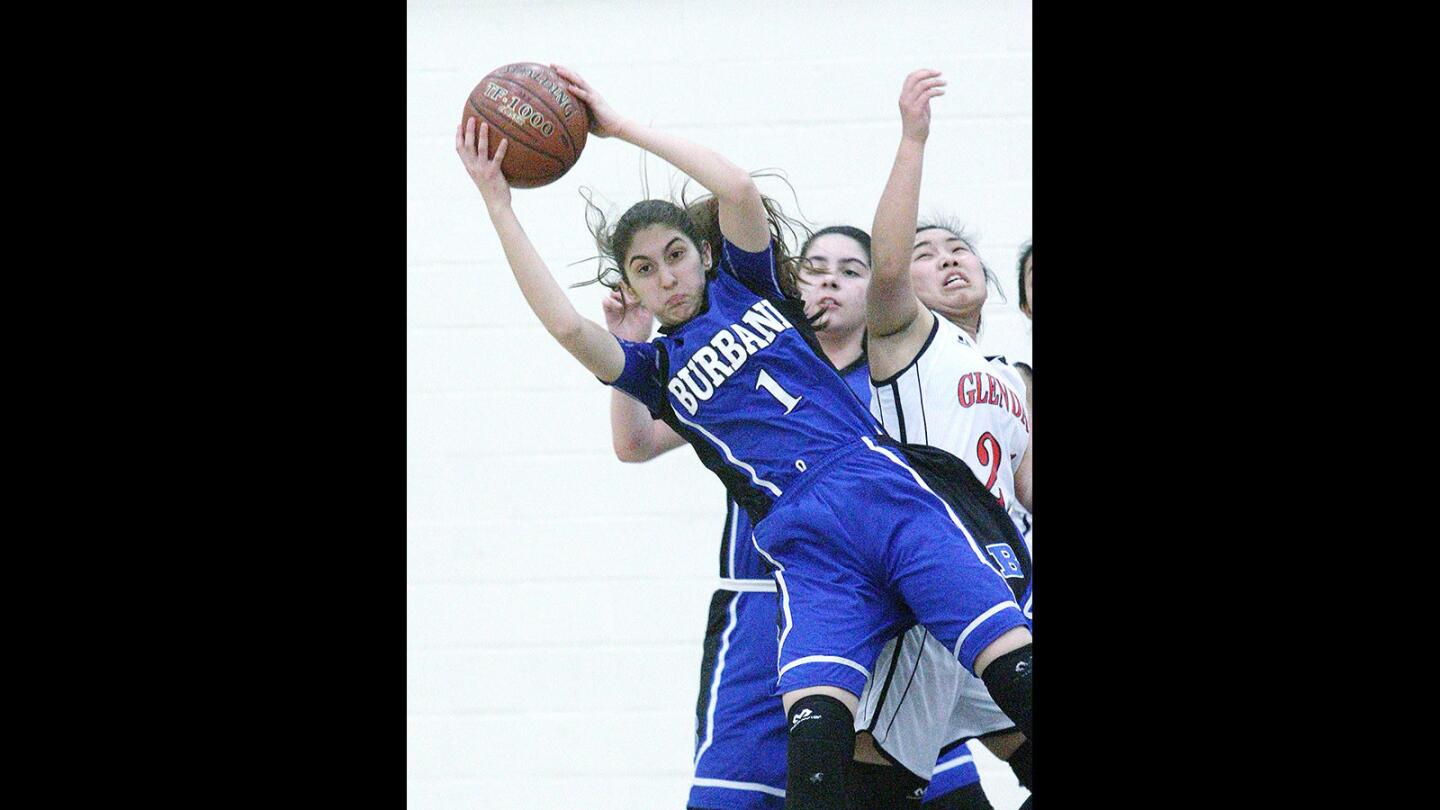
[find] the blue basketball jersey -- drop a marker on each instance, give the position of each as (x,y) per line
(745,383)
(738,557)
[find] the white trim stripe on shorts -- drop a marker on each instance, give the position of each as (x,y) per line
(784,599)
(715,681)
(729,584)
(725,783)
(979,620)
(824,659)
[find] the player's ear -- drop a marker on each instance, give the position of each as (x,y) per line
(705,254)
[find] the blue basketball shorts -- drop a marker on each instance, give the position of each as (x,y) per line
(862,548)
(740,730)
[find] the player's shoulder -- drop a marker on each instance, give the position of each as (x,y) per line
(1007,370)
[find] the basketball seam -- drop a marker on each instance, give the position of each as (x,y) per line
(528,92)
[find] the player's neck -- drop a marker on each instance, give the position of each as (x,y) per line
(842,349)
(970,323)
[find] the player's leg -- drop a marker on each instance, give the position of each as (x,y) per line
(1006,667)
(821,746)
(945,570)
(833,615)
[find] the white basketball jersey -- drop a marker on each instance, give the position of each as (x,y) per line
(951,397)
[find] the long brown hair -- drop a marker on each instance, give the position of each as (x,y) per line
(699,221)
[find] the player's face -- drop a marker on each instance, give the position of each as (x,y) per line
(667,273)
(946,273)
(1029,291)
(834,284)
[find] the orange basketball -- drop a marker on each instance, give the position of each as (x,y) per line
(528,104)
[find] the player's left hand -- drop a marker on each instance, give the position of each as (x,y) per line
(915,95)
(632,322)
(604,122)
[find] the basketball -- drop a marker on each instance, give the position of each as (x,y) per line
(528,104)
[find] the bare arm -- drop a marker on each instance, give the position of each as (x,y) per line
(586,340)
(1022,473)
(1022,476)
(636,436)
(891,305)
(742,214)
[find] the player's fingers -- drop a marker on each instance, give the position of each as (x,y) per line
(919,75)
(470,136)
(922,87)
(570,76)
(500,150)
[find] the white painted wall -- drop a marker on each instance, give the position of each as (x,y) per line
(556,608)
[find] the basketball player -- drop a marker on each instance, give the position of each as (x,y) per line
(860,543)
(739,730)
(933,386)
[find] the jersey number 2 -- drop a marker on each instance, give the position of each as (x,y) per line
(768,383)
(988,449)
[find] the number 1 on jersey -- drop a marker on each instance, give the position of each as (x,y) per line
(768,383)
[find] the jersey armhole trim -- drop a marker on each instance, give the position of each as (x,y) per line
(934,330)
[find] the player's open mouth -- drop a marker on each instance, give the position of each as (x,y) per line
(954,279)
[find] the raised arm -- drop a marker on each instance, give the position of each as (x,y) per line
(586,340)
(636,435)
(891,305)
(1022,472)
(742,214)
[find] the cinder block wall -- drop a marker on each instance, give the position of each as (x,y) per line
(556,598)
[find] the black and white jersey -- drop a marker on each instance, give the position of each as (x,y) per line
(952,397)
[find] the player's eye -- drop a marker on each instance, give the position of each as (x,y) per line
(852,274)
(922,257)
(643,269)
(676,254)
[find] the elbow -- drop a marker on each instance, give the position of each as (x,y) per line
(738,185)
(630,452)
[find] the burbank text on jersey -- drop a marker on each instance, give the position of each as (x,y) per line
(697,380)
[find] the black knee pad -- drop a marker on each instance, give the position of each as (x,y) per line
(1019,762)
(1009,679)
(970,797)
(822,743)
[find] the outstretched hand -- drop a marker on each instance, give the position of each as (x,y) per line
(915,95)
(632,322)
(484,170)
(604,122)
